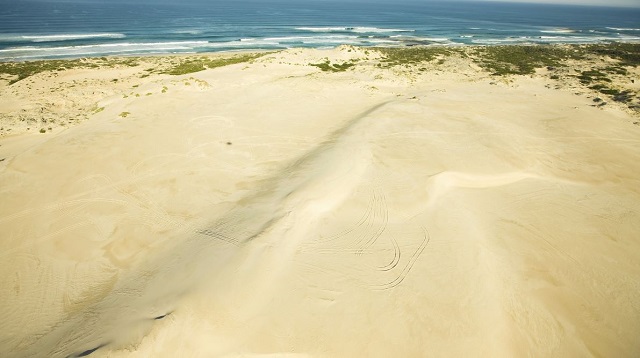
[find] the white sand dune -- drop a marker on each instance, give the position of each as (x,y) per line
(272,209)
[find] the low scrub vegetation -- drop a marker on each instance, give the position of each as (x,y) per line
(397,56)
(191,65)
(327,66)
(522,59)
(17,71)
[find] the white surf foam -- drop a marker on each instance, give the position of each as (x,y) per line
(351,29)
(67,37)
(558,31)
(26,52)
(622,29)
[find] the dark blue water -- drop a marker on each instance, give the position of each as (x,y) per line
(33,29)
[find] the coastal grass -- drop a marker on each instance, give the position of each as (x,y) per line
(18,71)
(617,95)
(327,66)
(518,59)
(598,78)
(406,56)
(21,70)
(522,59)
(609,62)
(191,65)
(586,77)
(499,60)
(627,54)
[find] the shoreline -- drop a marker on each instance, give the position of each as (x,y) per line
(200,28)
(260,50)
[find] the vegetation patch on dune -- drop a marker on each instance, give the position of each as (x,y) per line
(396,56)
(525,59)
(522,59)
(327,66)
(17,71)
(191,65)
(517,59)
(609,63)
(628,54)
(599,78)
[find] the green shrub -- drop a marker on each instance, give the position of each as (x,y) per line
(192,65)
(522,59)
(336,67)
(627,53)
(396,56)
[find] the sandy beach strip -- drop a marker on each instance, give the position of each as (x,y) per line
(476,201)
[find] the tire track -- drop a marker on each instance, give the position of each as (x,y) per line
(348,231)
(407,268)
(219,236)
(369,233)
(384,215)
(376,224)
(259,214)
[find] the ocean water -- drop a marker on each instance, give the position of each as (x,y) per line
(53,29)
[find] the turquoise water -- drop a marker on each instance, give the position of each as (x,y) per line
(35,30)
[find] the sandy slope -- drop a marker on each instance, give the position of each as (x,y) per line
(274,209)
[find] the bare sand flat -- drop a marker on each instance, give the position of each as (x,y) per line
(270,208)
